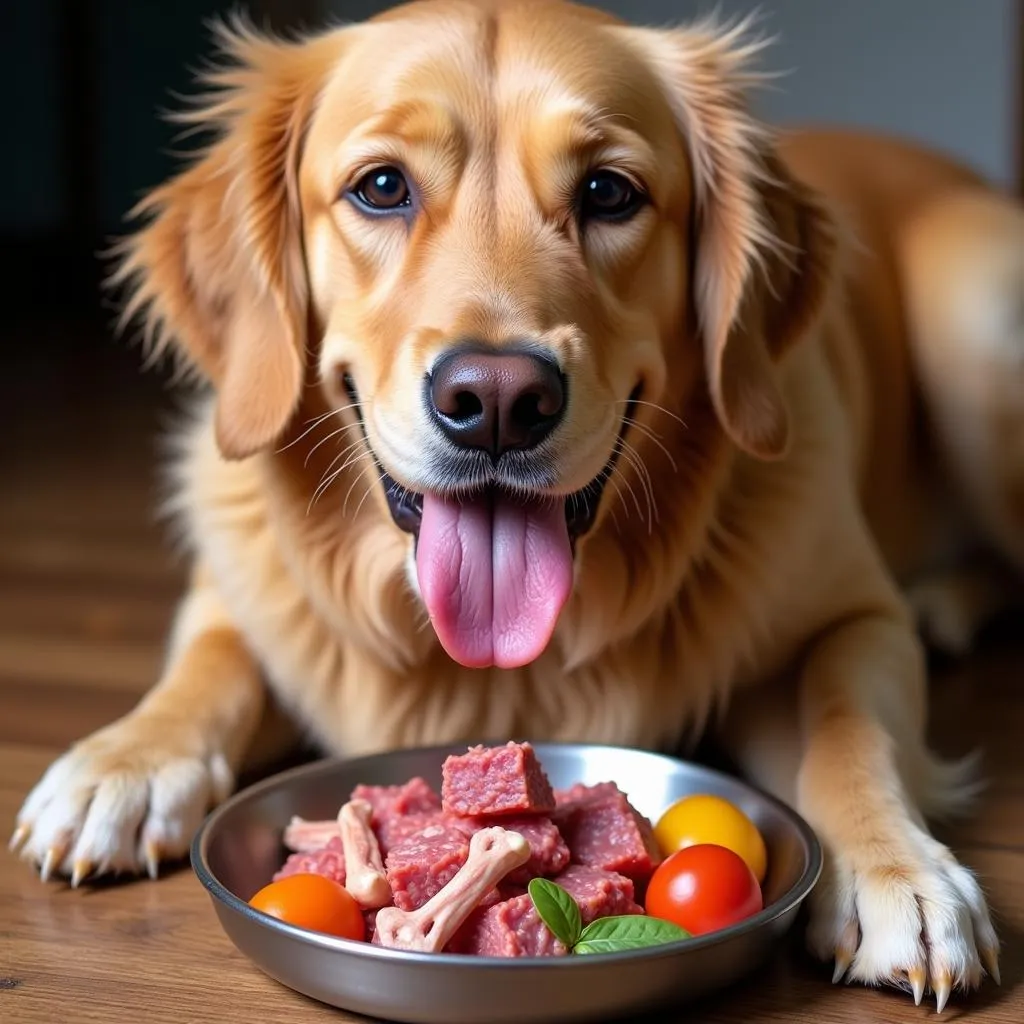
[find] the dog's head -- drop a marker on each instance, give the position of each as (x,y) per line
(517,243)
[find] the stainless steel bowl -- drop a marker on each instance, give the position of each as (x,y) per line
(239,847)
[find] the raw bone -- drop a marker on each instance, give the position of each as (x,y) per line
(301,836)
(364,870)
(493,853)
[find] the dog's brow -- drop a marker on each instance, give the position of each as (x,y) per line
(418,122)
(585,126)
(590,134)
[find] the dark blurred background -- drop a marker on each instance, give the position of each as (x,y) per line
(85,82)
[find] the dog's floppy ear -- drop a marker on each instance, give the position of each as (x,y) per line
(764,243)
(218,269)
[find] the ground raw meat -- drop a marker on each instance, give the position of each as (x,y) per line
(548,852)
(513,928)
(496,780)
(415,797)
(580,794)
(392,831)
(328,861)
(599,893)
(400,811)
(424,863)
(603,830)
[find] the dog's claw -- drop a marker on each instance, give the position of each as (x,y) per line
(990,958)
(20,837)
(152,860)
(941,987)
(80,872)
(843,960)
(54,855)
(916,977)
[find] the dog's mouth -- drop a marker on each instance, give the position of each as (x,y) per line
(494,562)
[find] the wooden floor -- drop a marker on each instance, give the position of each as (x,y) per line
(86,590)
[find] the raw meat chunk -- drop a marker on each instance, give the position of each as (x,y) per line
(424,863)
(513,928)
(496,780)
(582,794)
(392,831)
(493,853)
(603,830)
(548,852)
(328,861)
(414,797)
(399,811)
(509,929)
(599,893)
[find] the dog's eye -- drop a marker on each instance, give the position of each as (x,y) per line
(606,195)
(383,188)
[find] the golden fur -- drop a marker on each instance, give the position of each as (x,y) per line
(825,329)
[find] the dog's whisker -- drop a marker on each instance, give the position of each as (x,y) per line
(323,485)
(622,489)
(615,520)
(348,493)
(638,463)
(653,514)
(354,446)
(653,405)
(329,479)
(629,487)
(647,432)
(344,451)
(344,429)
(326,482)
(633,458)
(367,493)
(354,460)
(313,424)
(356,456)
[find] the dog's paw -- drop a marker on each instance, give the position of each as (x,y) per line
(122,800)
(917,922)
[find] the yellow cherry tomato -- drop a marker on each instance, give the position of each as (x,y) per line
(700,819)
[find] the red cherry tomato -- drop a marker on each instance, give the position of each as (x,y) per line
(314,902)
(703,888)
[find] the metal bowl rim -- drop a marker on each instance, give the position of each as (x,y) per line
(792,898)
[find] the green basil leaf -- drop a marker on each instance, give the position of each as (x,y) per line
(557,909)
(630,931)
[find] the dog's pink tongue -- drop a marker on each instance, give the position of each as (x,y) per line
(495,575)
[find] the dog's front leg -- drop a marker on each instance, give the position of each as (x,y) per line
(847,743)
(134,792)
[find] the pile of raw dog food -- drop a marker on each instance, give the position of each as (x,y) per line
(588,839)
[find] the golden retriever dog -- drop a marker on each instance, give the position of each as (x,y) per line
(552,395)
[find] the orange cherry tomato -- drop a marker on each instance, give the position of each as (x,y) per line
(314,902)
(703,888)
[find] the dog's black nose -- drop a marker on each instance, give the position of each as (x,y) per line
(496,401)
